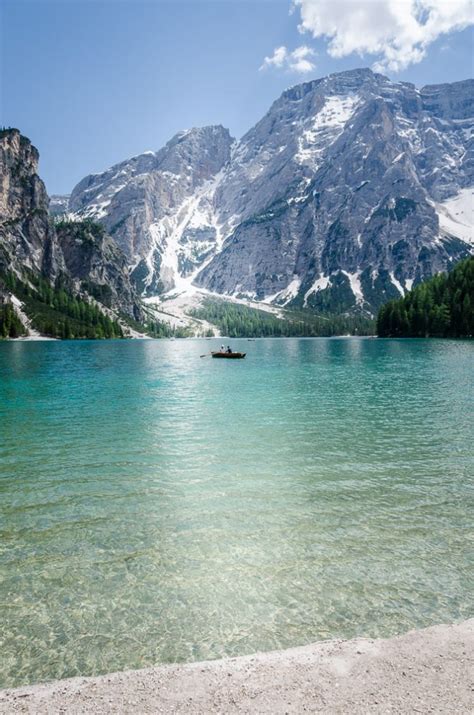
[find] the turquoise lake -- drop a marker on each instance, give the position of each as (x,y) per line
(156,506)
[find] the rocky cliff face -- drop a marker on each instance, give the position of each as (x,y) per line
(83,254)
(98,266)
(27,239)
(351,189)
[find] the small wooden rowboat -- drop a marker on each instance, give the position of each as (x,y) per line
(231,356)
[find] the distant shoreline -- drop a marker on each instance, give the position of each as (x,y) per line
(35,339)
(421,671)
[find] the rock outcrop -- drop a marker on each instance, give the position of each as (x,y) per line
(27,237)
(98,266)
(81,254)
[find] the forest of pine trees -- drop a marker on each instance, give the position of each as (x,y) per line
(55,312)
(440,307)
(239,321)
(158,329)
(10,324)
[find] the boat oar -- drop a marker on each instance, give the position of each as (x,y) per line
(205,355)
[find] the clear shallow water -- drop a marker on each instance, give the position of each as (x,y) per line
(155,506)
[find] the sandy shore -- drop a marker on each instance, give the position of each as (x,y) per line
(425,671)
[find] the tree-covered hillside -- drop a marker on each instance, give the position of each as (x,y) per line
(10,324)
(236,320)
(441,307)
(55,311)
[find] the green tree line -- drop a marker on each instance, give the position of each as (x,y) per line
(240,321)
(440,307)
(10,324)
(56,312)
(158,329)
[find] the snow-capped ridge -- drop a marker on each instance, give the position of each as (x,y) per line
(350,189)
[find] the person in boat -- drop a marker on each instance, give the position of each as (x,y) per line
(229,349)
(222,349)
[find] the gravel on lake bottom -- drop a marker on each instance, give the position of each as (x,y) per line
(423,671)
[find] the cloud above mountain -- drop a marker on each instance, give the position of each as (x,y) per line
(397,32)
(299,60)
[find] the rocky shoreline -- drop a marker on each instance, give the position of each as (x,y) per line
(427,671)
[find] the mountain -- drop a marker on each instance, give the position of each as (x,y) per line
(98,266)
(38,256)
(158,206)
(58,204)
(27,238)
(349,191)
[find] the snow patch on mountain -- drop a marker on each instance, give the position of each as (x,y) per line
(320,283)
(356,288)
(456,215)
(325,128)
(397,283)
(285,296)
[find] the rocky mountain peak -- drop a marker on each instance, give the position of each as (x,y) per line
(18,170)
(144,203)
(347,192)
(449,101)
(195,154)
(26,236)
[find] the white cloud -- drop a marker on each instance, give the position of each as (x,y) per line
(299,60)
(397,32)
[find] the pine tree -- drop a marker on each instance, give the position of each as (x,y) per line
(442,306)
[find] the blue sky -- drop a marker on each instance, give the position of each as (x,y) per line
(92,82)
